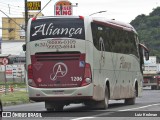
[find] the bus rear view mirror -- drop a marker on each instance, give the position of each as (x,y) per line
(145,51)
(146,54)
(24,47)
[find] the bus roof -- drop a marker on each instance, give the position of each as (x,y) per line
(114,23)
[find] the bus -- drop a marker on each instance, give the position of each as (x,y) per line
(77,59)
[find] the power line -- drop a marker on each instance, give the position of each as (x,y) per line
(7,11)
(12,19)
(20,14)
(8,6)
(5,8)
(43,8)
(11,5)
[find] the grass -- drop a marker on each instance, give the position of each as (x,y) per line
(15,97)
(11,98)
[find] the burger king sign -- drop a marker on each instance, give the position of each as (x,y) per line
(63,7)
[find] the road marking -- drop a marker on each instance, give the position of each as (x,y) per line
(140,107)
(102,114)
(94,116)
(81,118)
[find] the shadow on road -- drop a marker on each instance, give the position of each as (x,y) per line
(82,111)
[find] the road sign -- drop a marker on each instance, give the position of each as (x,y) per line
(5,61)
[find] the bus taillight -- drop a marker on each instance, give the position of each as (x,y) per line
(34,19)
(81,17)
(30,72)
(30,76)
(87,75)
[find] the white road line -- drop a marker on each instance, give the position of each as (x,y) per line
(81,118)
(140,107)
(94,116)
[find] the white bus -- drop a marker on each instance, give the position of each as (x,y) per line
(76,59)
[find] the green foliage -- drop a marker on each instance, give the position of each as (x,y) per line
(148,28)
(14,98)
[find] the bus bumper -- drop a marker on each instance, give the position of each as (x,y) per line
(61,94)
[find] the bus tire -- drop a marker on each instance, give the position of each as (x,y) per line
(153,87)
(104,103)
(131,101)
(50,109)
(50,106)
(55,108)
(58,107)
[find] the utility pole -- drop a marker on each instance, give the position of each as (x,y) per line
(26,21)
(9,9)
(26,18)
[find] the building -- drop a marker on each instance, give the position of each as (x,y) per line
(13,32)
(150,66)
(151,73)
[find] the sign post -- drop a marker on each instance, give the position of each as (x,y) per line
(5,62)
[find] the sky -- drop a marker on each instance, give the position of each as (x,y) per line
(121,10)
(125,10)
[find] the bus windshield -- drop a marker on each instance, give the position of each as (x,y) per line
(57,28)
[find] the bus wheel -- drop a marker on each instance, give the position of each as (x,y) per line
(58,107)
(131,101)
(55,108)
(50,106)
(106,99)
(104,103)
(50,109)
(153,87)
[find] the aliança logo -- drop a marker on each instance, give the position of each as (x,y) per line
(59,70)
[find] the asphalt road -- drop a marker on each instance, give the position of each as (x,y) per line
(146,107)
